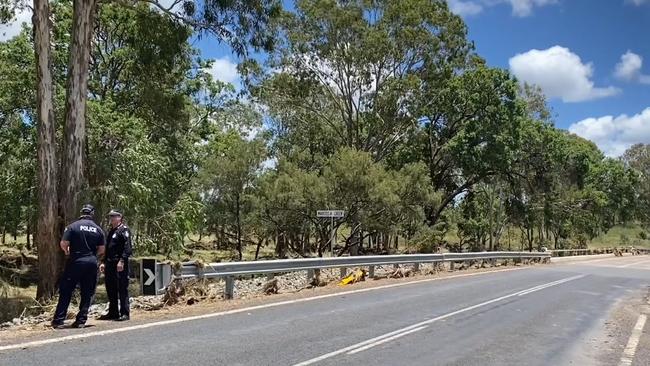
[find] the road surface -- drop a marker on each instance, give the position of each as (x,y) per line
(577,313)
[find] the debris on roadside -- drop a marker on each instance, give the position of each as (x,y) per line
(356,276)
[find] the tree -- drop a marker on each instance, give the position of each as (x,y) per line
(17,137)
(228,179)
(48,231)
(470,132)
(637,158)
(350,74)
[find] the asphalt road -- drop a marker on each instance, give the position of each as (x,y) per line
(545,315)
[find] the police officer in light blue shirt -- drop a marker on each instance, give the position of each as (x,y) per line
(82,241)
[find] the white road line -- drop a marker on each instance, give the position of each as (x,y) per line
(530,291)
(236,311)
(633,342)
(632,264)
(365,345)
(385,340)
(608,259)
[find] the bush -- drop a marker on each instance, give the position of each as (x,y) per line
(625,240)
(643,235)
(426,240)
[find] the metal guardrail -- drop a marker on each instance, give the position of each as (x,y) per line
(576,252)
(229,270)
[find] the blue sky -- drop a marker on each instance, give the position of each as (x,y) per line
(567,33)
(591,58)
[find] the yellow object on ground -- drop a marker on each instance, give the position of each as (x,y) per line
(356,276)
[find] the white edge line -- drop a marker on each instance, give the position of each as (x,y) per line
(236,311)
(633,342)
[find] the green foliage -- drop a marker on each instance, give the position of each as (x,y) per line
(17,135)
(228,180)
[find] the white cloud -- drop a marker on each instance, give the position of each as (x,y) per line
(224,70)
(520,8)
(638,2)
(614,135)
(560,73)
(465,8)
(629,68)
(12,29)
(523,8)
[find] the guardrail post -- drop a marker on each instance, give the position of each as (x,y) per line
(416,267)
(270,276)
(165,277)
(371,272)
(493,262)
(451,265)
(344,272)
(229,291)
(310,275)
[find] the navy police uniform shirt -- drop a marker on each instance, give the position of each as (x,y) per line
(84,237)
(119,244)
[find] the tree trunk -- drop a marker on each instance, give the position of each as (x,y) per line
(50,257)
(281,245)
(4,235)
(28,232)
(356,239)
(259,245)
(75,108)
(239,244)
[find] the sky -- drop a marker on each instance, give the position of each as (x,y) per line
(590,57)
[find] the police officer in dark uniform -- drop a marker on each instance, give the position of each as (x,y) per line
(82,241)
(116,268)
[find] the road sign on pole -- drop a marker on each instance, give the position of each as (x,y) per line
(337,214)
(331,214)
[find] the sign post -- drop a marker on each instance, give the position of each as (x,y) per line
(331,214)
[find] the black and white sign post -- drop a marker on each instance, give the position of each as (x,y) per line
(148,277)
(331,214)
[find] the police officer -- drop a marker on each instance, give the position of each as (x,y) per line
(82,241)
(116,268)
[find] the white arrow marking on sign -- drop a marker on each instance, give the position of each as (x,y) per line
(150,277)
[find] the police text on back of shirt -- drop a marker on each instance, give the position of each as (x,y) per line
(89,229)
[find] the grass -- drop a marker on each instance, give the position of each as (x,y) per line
(620,236)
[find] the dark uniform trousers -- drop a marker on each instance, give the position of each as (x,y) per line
(81,271)
(117,287)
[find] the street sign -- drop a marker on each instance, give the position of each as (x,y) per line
(330,213)
(148,277)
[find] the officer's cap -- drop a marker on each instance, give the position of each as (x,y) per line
(115,212)
(88,209)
